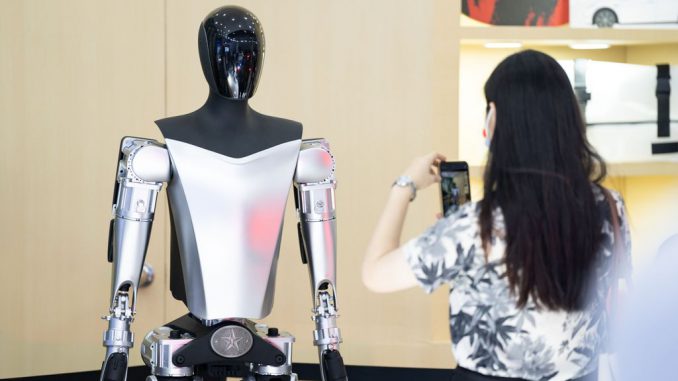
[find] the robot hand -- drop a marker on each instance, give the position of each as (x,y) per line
(142,167)
(314,198)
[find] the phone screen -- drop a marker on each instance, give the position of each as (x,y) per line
(455,187)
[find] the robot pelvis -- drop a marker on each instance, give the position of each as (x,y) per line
(186,348)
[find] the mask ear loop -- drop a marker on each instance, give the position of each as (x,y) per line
(486,129)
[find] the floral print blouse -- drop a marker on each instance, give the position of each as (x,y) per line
(490,335)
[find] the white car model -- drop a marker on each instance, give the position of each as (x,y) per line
(607,13)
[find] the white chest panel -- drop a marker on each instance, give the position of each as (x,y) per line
(228,216)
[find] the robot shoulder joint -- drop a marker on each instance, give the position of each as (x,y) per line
(316,163)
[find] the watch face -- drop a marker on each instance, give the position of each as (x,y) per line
(404,181)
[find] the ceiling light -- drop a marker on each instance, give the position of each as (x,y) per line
(589,46)
(503,45)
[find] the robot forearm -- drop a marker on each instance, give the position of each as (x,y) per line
(314,185)
(143,166)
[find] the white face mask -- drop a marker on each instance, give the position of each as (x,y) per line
(488,120)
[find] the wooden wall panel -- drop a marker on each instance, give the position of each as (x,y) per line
(76,76)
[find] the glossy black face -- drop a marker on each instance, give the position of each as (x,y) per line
(231,44)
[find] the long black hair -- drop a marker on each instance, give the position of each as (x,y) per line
(540,172)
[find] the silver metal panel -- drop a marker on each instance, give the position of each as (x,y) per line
(130,240)
(157,350)
(229,214)
(284,341)
(321,246)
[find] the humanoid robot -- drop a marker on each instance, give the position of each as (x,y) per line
(229,170)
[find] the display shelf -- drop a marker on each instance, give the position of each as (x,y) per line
(562,36)
(637,46)
(659,168)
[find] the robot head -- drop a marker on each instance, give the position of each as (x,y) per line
(231,44)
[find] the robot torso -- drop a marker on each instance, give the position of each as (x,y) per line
(227,216)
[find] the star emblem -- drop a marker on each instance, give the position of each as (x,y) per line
(231,341)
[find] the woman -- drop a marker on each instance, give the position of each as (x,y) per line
(530,266)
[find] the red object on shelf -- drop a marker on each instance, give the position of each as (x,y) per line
(518,12)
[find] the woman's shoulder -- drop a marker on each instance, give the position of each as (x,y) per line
(466,214)
(471,212)
(601,193)
(463,220)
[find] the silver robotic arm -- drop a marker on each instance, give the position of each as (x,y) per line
(314,183)
(143,166)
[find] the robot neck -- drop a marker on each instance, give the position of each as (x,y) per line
(230,128)
(218,109)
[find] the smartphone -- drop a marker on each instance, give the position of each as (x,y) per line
(455,187)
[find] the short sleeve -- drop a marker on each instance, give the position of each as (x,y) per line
(432,255)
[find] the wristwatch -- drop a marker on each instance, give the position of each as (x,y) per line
(406,181)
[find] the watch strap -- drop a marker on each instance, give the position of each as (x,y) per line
(404,182)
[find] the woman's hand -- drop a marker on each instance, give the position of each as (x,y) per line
(424,170)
